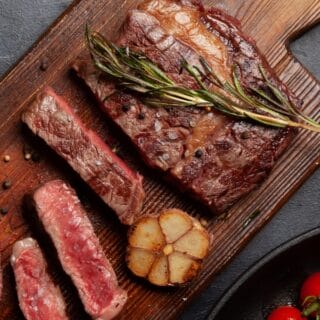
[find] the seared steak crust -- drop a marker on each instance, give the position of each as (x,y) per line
(53,120)
(216,158)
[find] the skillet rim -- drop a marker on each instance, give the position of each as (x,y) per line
(246,275)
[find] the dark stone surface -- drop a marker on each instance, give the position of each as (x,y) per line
(23,21)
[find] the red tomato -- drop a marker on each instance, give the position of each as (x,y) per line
(311,287)
(310,294)
(286,313)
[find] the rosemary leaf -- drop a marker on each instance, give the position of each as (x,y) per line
(137,73)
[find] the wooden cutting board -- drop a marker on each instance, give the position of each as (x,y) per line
(271,22)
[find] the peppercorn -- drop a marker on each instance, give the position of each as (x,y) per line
(4,211)
(35,157)
(245,135)
(6,184)
(44,64)
(198,153)
(141,116)
(27,156)
(125,108)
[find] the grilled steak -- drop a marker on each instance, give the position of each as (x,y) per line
(216,158)
(39,298)
(53,120)
(79,251)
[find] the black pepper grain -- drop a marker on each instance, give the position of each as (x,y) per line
(245,135)
(35,157)
(6,184)
(44,64)
(198,153)
(141,116)
(27,149)
(125,108)
(4,211)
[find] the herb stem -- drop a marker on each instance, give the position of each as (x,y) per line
(135,72)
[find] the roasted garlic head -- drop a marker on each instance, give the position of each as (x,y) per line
(168,249)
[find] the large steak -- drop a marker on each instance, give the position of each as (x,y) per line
(216,158)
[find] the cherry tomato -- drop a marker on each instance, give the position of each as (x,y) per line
(286,313)
(310,295)
(311,287)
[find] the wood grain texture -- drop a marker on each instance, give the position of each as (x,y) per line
(271,22)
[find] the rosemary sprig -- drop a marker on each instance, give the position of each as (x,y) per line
(135,72)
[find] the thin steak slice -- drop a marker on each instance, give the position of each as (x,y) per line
(39,298)
(79,250)
(216,158)
(51,118)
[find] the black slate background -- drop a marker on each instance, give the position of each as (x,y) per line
(23,21)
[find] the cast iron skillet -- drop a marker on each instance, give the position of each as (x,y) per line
(274,280)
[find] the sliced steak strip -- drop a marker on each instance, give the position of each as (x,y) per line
(216,158)
(50,117)
(79,251)
(39,298)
